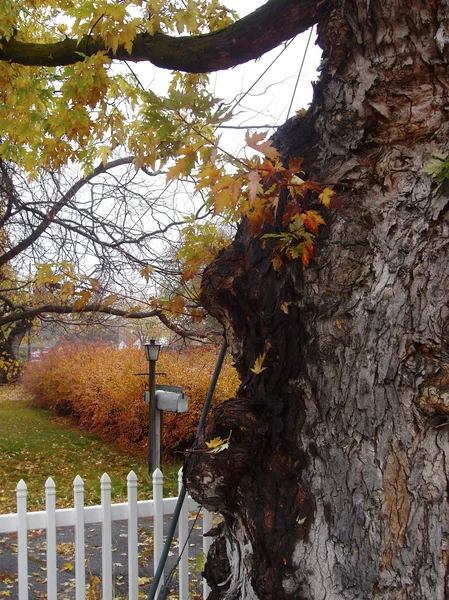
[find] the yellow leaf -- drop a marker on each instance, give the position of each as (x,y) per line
(217,444)
(105,153)
(226,193)
(178,169)
(67,567)
(326,197)
(258,368)
(144,580)
(339,324)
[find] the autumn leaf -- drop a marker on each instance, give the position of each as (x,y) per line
(146,272)
(217,444)
(80,304)
(226,193)
(313,220)
(258,368)
(256,142)
(178,169)
(177,304)
(67,290)
(105,153)
(326,197)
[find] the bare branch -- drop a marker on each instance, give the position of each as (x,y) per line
(57,206)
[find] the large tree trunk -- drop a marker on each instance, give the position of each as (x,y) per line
(335,482)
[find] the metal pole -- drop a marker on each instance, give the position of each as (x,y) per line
(154,436)
(182,493)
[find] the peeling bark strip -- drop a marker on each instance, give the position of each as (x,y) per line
(335,482)
(275,22)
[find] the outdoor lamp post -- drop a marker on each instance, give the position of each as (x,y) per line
(154,425)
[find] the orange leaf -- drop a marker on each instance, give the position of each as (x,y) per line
(313,220)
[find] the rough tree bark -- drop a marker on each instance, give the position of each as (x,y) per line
(335,482)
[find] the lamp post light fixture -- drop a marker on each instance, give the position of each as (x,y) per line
(152,350)
(154,425)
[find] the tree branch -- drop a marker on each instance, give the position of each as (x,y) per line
(250,37)
(28,314)
(31,313)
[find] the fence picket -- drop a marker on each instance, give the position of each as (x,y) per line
(106,537)
(79,516)
(22,541)
(50,505)
(183,533)
(80,557)
(133,555)
(158,500)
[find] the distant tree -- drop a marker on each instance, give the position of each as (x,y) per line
(68,241)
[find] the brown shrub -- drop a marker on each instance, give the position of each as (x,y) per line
(96,385)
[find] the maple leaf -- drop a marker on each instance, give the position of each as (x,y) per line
(307,254)
(177,304)
(67,290)
(258,368)
(326,197)
(259,214)
(226,193)
(256,142)
(217,444)
(82,301)
(313,220)
(178,169)
(146,272)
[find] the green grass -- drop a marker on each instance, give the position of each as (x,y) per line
(35,445)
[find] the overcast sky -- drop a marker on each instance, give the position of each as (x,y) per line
(268,102)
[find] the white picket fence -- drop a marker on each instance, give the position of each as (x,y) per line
(79,516)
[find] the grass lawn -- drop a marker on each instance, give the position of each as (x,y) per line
(35,445)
